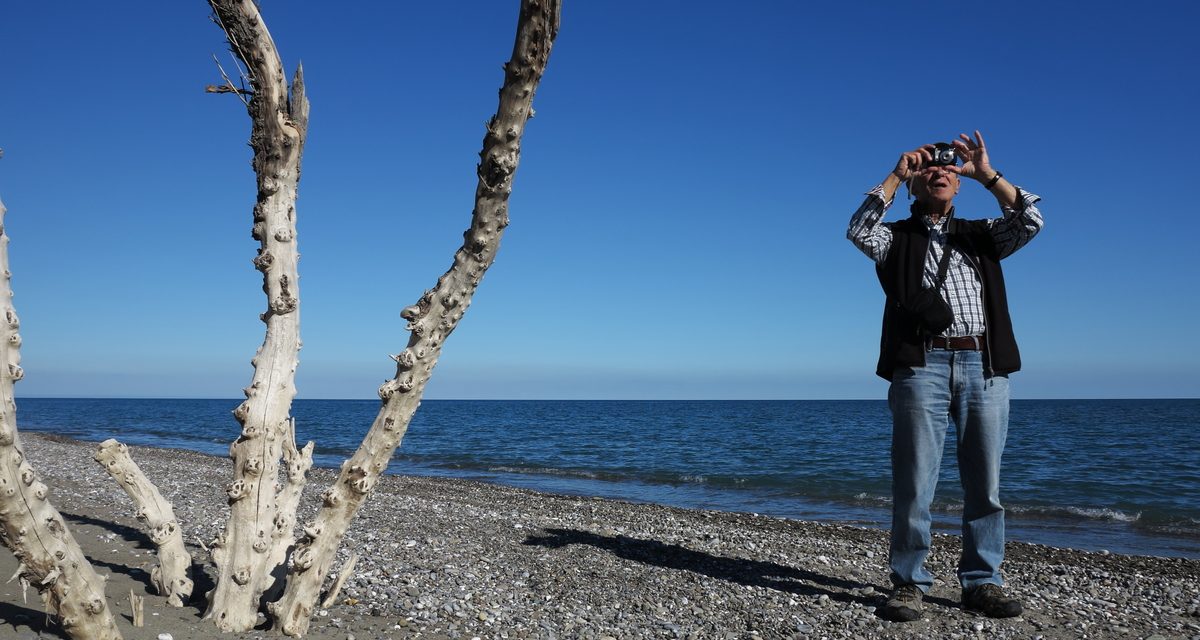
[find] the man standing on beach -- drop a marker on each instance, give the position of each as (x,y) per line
(946,358)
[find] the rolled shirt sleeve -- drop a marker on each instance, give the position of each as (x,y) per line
(866,231)
(1018,225)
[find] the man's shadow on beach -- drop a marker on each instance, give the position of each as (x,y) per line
(755,573)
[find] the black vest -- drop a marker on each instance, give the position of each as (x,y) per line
(902,344)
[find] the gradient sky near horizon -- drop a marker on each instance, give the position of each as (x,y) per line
(678,218)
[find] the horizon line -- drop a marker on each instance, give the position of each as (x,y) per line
(873,399)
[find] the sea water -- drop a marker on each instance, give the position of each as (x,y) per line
(1119,475)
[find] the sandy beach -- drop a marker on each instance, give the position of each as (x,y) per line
(443,558)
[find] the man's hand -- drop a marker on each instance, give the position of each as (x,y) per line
(976,165)
(974,156)
(907,167)
(910,163)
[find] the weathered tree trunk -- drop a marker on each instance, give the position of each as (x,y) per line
(336,588)
(296,462)
(49,557)
(431,320)
(170,577)
(258,532)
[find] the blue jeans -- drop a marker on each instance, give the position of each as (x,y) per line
(922,399)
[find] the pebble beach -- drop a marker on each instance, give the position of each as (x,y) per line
(447,558)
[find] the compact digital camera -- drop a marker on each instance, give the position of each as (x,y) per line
(943,154)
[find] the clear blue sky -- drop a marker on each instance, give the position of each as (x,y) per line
(678,217)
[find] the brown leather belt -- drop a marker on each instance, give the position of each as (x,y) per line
(957,343)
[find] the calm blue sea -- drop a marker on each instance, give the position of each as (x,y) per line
(1121,475)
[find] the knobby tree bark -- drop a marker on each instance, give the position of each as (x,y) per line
(260,528)
(259,532)
(170,577)
(431,319)
(297,462)
(48,556)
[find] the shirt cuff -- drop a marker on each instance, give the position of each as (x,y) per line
(1024,199)
(878,193)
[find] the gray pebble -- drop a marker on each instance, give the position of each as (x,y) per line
(600,570)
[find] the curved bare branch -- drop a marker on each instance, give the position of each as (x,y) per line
(431,319)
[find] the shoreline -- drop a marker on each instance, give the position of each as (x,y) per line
(1110,531)
(445,558)
(1089,529)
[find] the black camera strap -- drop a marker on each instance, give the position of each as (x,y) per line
(943,264)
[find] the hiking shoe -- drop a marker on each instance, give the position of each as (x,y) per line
(990,600)
(904,605)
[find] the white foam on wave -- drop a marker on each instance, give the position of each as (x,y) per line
(1100,513)
(1089,513)
(545,471)
(870,499)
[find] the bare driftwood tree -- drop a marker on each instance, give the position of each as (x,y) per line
(49,557)
(170,577)
(253,550)
(430,320)
(262,519)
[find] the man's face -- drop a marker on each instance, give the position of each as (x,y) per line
(933,183)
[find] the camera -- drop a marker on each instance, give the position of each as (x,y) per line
(943,155)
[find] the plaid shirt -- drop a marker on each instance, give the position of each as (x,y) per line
(962,290)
